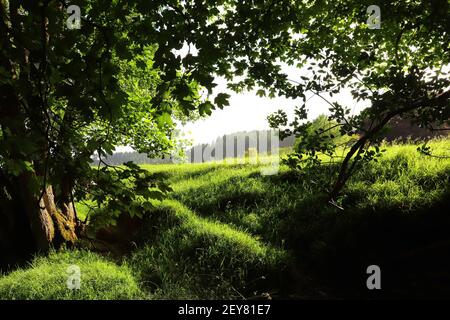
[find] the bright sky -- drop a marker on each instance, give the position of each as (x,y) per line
(247,112)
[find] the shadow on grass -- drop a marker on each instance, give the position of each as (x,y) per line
(412,250)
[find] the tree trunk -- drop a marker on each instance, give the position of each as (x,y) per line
(29,225)
(48,226)
(30,222)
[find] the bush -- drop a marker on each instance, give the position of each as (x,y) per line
(328,131)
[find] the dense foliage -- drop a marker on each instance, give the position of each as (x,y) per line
(122,79)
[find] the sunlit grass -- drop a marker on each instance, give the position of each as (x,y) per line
(227,231)
(201,258)
(46,278)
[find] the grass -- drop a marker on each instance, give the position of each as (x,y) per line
(393,207)
(229,232)
(405,179)
(46,277)
(196,258)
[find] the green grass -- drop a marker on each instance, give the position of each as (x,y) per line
(229,232)
(46,278)
(392,206)
(404,178)
(197,258)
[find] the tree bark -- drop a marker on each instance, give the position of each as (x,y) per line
(32,221)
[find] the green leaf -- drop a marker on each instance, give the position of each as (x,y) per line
(221,100)
(206,108)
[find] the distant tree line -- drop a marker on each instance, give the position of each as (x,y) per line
(403,129)
(239,144)
(119,158)
(398,129)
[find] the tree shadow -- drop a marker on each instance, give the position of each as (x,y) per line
(412,250)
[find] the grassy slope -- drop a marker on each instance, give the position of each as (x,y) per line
(46,277)
(395,209)
(229,232)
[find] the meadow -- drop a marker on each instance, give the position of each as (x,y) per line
(228,232)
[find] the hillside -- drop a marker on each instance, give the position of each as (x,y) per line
(228,232)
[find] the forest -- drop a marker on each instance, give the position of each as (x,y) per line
(334,205)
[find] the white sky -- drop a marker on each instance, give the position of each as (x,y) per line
(247,112)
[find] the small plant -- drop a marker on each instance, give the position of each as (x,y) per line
(126,189)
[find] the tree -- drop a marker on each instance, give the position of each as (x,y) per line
(400,69)
(66,94)
(323,130)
